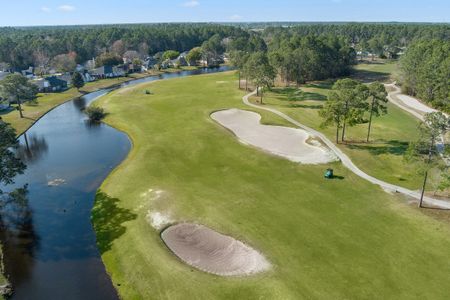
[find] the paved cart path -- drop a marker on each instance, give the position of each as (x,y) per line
(346,161)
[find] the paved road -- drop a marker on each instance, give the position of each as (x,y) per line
(346,161)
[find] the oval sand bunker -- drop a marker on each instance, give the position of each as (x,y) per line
(212,252)
(282,141)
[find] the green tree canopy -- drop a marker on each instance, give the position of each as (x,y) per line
(17,88)
(108,59)
(259,70)
(10,165)
(425,150)
(170,54)
(77,80)
(194,55)
(345,106)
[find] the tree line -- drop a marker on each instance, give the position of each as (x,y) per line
(291,57)
(383,39)
(425,72)
(34,46)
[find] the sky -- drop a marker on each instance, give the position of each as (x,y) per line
(70,12)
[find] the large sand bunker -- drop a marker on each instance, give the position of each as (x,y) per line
(290,143)
(212,252)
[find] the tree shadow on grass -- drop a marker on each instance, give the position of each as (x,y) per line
(306,106)
(323,85)
(108,219)
(295,94)
(391,147)
(370,76)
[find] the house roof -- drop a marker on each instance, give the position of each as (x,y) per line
(40,83)
(103,70)
(54,81)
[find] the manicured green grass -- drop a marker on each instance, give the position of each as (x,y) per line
(32,111)
(379,70)
(383,157)
(326,239)
(46,101)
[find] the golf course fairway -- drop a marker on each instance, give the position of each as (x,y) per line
(325,239)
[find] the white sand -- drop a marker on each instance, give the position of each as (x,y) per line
(282,141)
(158,220)
(212,252)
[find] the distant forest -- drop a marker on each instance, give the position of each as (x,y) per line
(296,51)
(23,46)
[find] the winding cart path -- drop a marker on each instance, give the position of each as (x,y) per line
(346,161)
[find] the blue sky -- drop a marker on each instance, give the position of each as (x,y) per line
(53,12)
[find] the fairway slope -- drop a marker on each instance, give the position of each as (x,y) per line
(324,239)
(212,252)
(290,143)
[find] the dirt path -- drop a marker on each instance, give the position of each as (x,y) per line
(346,161)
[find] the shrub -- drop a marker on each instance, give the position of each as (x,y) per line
(95,113)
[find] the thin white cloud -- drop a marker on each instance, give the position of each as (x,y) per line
(46,9)
(66,8)
(235,17)
(192,3)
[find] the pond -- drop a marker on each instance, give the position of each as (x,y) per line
(50,247)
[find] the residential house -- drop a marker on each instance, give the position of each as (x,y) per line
(66,77)
(42,84)
(29,73)
(166,64)
(80,68)
(56,84)
(87,77)
(131,68)
(212,61)
(182,61)
(149,63)
(107,72)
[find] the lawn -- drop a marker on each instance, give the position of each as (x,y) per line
(326,239)
(46,101)
(383,157)
(379,70)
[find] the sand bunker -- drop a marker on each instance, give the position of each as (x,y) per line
(283,141)
(212,252)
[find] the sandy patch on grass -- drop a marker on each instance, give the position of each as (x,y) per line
(212,252)
(291,143)
(158,220)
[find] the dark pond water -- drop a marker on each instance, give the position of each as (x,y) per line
(50,248)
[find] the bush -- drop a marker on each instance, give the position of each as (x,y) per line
(95,113)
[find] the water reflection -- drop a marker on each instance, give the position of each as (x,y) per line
(50,247)
(17,234)
(92,125)
(33,148)
(80,103)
